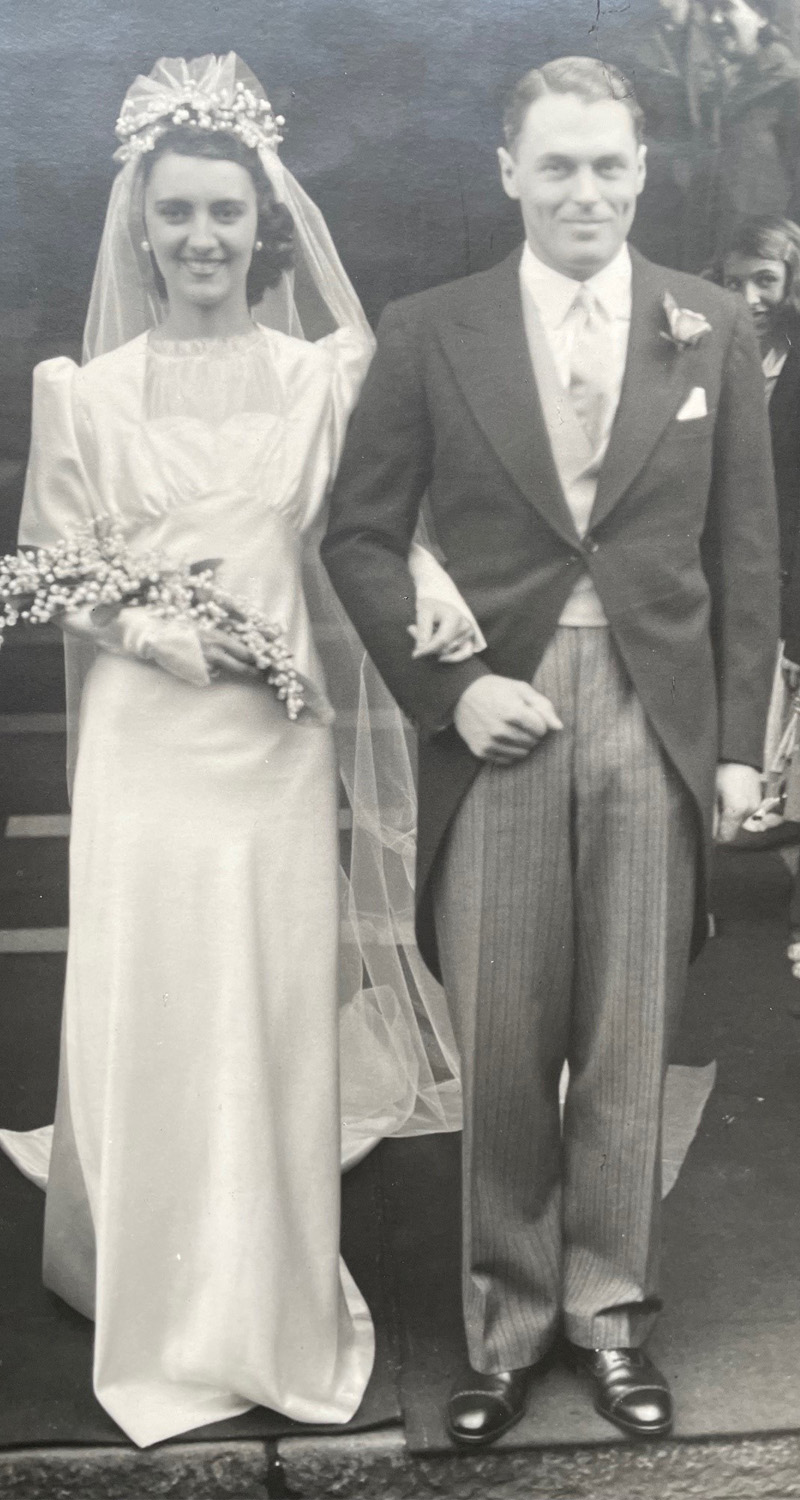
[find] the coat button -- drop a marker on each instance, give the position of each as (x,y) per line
(590,545)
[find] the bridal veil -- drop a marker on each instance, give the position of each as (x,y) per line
(398,1055)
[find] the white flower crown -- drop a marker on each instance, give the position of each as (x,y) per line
(240,112)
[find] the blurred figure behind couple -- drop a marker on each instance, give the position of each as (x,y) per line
(720,88)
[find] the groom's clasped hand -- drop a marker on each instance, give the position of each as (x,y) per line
(501,719)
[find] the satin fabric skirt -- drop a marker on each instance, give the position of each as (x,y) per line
(193,1199)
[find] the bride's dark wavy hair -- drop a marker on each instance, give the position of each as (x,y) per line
(275,224)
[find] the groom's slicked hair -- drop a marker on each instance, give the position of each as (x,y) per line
(588,77)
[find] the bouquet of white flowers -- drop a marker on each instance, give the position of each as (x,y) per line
(95,569)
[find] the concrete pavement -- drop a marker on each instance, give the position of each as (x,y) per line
(377,1466)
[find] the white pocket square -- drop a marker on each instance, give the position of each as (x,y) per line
(694,406)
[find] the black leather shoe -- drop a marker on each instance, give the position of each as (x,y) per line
(629,1390)
(482,1407)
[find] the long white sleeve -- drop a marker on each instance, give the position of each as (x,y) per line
(171,644)
(431,581)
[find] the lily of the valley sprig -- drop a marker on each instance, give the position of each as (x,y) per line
(95,568)
(686,328)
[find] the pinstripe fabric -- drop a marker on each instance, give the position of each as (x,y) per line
(564,907)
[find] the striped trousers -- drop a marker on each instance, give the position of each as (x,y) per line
(564,905)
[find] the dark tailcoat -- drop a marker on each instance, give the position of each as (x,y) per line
(682,545)
(784,421)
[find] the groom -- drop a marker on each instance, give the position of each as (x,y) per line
(591,433)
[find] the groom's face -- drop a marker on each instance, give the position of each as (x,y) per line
(576,170)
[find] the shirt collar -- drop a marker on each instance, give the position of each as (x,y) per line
(773,362)
(554,293)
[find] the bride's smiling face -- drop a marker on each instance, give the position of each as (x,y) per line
(201,219)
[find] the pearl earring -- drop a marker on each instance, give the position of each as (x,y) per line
(258,245)
(146,246)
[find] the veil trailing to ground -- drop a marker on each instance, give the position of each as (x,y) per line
(399,1064)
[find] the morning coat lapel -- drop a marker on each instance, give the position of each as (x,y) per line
(658,377)
(488,351)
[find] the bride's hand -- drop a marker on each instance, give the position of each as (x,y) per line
(225,656)
(441,631)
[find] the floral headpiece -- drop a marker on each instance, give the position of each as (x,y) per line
(204,93)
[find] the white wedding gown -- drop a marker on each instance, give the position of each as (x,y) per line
(193,1195)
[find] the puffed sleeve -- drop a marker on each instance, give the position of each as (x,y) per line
(59,497)
(341,360)
(352,353)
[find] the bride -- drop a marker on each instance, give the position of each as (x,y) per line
(193,1192)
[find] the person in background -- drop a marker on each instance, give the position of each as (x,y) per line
(759,161)
(761,261)
(677,74)
(787,15)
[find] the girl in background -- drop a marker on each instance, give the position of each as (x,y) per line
(761,261)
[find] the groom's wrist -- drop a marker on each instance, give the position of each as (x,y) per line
(449,690)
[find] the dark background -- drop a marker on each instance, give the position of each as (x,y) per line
(393,111)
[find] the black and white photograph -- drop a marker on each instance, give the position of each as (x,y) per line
(400,750)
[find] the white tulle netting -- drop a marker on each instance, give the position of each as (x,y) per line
(399,1066)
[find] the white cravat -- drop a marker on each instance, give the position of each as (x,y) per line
(591,383)
(554,295)
(589,350)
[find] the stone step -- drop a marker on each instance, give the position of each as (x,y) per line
(363,1466)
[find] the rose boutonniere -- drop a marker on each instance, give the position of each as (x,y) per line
(686,328)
